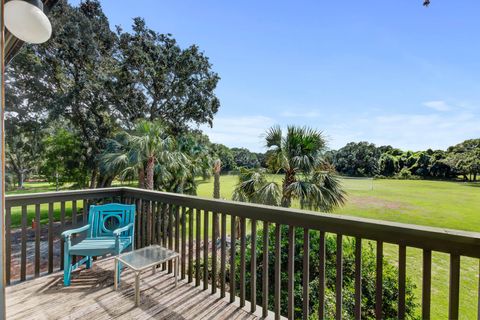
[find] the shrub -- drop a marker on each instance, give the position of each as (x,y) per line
(390,280)
(404,174)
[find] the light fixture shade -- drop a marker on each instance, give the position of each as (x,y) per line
(26,20)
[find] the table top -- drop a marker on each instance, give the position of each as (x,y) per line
(147,257)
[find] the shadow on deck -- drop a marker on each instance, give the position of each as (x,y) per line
(91,296)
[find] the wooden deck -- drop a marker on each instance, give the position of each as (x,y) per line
(91,296)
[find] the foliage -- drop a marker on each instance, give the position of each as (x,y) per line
(388,165)
(158,160)
(63,160)
(226,156)
(23,149)
(163,81)
(357,159)
(244,158)
(146,149)
(97,82)
(298,152)
(390,276)
(365,159)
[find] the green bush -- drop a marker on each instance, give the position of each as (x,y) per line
(404,174)
(390,276)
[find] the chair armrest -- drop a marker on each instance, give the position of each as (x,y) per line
(118,231)
(68,233)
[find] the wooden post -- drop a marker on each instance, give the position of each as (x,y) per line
(3,314)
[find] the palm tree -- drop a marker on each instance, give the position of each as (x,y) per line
(195,161)
(147,149)
(307,177)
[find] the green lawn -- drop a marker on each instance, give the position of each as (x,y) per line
(433,203)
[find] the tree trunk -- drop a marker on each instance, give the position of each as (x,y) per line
(56,180)
(217,168)
(21,177)
(216,185)
(93,178)
(141,178)
(150,172)
(287,181)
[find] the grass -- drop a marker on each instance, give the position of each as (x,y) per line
(441,204)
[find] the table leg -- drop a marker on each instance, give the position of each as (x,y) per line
(137,289)
(115,278)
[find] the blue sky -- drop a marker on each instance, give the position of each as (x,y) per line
(389,72)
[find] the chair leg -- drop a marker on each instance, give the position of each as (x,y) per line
(89,262)
(119,269)
(67,269)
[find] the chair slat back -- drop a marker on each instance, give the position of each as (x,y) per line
(104,219)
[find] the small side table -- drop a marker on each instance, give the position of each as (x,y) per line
(143,259)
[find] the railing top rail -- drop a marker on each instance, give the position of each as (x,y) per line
(432,238)
(437,239)
(55,196)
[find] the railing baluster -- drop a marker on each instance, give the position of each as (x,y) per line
(170,234)
(426,283)
(184,241)
(321,277)
(74,223)
(158,217)
(233,241)
(177,229)
(242,261)
(84,211)
(277,281)
(205,249)
(253,267)
(62,224)
(149,219)
(165,209)
(23,258)
(453,302)
(402,276)
(153,226)
(379,281)
(339,278)
(223,255)
(358,278)
(198,223)
(190,245)
(50,237)
(37,240)
(214,251)
(306,273)
(144,223)
(291,271)
(138,205)
(265,270)
(74,213)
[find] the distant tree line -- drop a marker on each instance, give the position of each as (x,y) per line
(364,159)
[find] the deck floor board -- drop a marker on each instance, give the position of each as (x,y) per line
(91,296)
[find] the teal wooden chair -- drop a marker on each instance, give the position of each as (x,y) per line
(110,230)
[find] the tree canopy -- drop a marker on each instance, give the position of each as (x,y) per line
(97,81)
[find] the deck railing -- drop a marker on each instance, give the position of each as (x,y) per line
(176,221)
